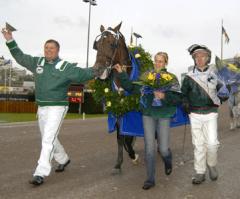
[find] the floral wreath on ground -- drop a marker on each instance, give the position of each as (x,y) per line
(116,102)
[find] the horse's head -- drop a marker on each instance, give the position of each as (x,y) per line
(111,48)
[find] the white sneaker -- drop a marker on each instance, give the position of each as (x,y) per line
(136,160)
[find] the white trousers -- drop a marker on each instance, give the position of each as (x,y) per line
(50,119)
(205,140)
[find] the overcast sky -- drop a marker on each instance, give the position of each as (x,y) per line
(170,26)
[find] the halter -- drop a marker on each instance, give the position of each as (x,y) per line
(117,36)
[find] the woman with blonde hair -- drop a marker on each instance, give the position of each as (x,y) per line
(155,118)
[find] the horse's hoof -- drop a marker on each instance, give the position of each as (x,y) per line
(136,160)
(116,171)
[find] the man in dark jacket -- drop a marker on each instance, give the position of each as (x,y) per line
(199,89)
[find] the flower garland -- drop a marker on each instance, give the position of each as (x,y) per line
(144,58)
(116,102)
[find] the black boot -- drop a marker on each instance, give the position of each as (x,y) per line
(148,185)
(37,180)
(168,163)
(61,167)
(198,178)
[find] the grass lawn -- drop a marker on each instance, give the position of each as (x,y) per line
(25,117)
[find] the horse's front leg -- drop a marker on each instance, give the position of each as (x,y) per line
(117,167)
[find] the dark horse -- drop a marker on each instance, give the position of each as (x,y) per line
(111,49)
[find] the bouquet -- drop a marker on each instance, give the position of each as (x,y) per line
(157,81)
(228,75)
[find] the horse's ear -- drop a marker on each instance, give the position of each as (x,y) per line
(117,28)
(102,28)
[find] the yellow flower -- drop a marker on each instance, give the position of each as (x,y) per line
(122,100)
(232,67)
(167,77)
(108,104)
(137,55)
(106,90)
(151,76)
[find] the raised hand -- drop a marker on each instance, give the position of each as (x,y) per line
(7,34)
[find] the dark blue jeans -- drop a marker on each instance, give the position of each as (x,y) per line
(161,126)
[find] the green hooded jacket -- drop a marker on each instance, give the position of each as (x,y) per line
(52,79)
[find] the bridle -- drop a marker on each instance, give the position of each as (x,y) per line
(117,35)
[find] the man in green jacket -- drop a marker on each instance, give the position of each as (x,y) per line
(52,79)
(199,89)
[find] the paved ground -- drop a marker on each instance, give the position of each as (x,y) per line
(93,154)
